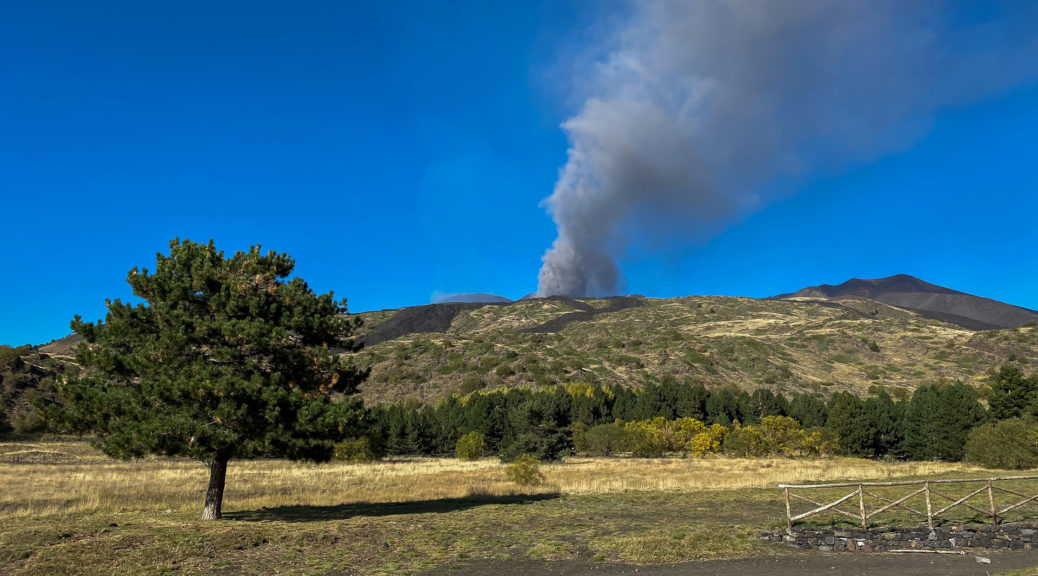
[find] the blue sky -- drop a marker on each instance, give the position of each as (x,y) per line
(401,149)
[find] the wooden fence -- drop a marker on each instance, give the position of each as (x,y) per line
(986,491)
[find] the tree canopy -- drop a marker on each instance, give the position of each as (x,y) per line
(223,358)
(1013,394)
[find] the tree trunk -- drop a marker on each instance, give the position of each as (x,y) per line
(217,476)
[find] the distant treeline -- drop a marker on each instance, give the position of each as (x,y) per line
(933,424)
(670,416)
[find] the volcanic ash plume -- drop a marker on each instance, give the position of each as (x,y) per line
(701,106)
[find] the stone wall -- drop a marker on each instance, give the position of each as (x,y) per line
(1019,536)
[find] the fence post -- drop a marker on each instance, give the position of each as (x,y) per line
(861,506)
(789,514)
(991,499)
(929,509)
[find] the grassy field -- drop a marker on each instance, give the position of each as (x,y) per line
(66,509)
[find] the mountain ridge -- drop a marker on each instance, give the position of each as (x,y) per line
(926,299)
(820,342)
(470,298)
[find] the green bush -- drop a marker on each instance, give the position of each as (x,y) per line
(601,440)
(471,382)
(356,450)
(9,359)
(746,442)
(783,435)
(469,446)
(1009,444)
(25,416)
(644,441)
(525,471)
(545,447)
(27,421)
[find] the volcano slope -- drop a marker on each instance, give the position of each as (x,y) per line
(814,345)
(925,299)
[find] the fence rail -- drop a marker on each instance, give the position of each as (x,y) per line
(863,514)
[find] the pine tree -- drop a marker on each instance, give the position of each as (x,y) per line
(224,358)
(886,419)
(1012,394)
(961,412)
(650,403)
(923,424)
(395,428)
(670,392)
(938,421)
(763,403)
(691,401)
(847,419)
(486,414)
(624,401)
(589,409)
(538,425)
(447,424)
(723,407)
(809,410)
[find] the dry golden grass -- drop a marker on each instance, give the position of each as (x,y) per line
(72,478)
(66,509)
(610,475)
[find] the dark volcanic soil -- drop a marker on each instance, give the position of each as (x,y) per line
(584,313)
(927,300)
(850,564)
(416,319)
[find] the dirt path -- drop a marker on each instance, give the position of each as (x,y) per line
(793,565)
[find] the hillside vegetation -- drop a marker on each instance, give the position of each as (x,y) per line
(855,345)
(27,376)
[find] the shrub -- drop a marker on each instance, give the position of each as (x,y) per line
(652,438)
(9,358)
(545,447)
(779,436)
(746,442)
(1006,444)
(820,442)
(645,440)
(649,438)
(471,382)
(682,431)
(579,431)
(702,444)
(25,416)
(525,471)
(27,422)
(469,446)
(601,440)
(362,449)
(708,441)
(783,435)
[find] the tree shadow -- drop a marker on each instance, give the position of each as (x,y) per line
(372,509)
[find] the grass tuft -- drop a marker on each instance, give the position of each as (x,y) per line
(674,545)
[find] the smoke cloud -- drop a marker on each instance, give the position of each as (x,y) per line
(701,106)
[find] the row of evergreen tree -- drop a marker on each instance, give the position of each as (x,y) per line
(933,424)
